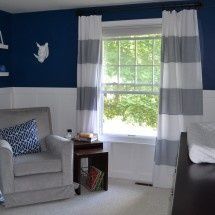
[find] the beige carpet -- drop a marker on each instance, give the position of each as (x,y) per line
(123,198)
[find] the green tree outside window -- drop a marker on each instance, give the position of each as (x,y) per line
(131,79)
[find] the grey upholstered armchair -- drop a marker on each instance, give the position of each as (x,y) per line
(39,177)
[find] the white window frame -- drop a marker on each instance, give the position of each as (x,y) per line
(149,140)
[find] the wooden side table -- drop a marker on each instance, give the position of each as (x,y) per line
(96,157)
(85,145)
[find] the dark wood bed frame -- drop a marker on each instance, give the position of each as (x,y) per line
(194,192)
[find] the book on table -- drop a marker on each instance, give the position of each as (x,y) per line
(86,137)
(94,178)
(100,182)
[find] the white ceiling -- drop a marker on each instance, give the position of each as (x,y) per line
(20,6)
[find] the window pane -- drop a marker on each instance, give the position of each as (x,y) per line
(131,69)
(145,74)
(157,74)
(144,88)
(110,87)
(130,87)
(119,87)
(145,52)
(111,74)
(157,52)
(127,74)
(111,52)
(156,89)
(130,114)
(127,52)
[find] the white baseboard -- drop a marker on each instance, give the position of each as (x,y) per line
(144,177)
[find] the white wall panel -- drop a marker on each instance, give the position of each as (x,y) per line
(62,102)
(6,98)
(131,161)
(209,105)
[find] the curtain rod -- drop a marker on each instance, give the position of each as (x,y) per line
(161,5)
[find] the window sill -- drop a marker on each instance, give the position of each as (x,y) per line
(142,140)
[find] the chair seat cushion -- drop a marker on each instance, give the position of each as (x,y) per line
(38,182)
(38,163)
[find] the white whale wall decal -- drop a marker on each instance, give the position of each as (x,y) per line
(43,52)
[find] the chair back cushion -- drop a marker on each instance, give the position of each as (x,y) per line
(23,138)
(12,117)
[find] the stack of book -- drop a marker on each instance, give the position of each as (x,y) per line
(94,179)
(86,137)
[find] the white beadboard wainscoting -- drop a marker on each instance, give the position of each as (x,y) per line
(209,105)
(131,161)
(126,160)
(62,102)
(6,98)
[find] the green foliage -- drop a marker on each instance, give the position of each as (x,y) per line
(132,65)
(136,109)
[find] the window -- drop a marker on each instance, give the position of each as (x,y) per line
(130,86)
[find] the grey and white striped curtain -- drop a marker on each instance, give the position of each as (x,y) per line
(181,94)
(88,72)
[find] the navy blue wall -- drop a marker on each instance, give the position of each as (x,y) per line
(5,24)
(206,17)
(59,28)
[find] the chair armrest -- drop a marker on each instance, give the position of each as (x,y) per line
(56,144)
(6,168)
(63,147)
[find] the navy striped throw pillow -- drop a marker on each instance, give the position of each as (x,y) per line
(23,138)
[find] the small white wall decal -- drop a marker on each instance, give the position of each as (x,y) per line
(43,52)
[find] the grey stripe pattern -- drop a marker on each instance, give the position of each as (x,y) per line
(181,101)
(88,51)
(88,72)
(87,98)
(166,152)
(180,49)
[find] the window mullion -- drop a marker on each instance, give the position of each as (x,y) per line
(132,38)
(135,63)
(118,74)
(118,92)
(153,65)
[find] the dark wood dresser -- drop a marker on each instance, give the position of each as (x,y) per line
(194,192)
